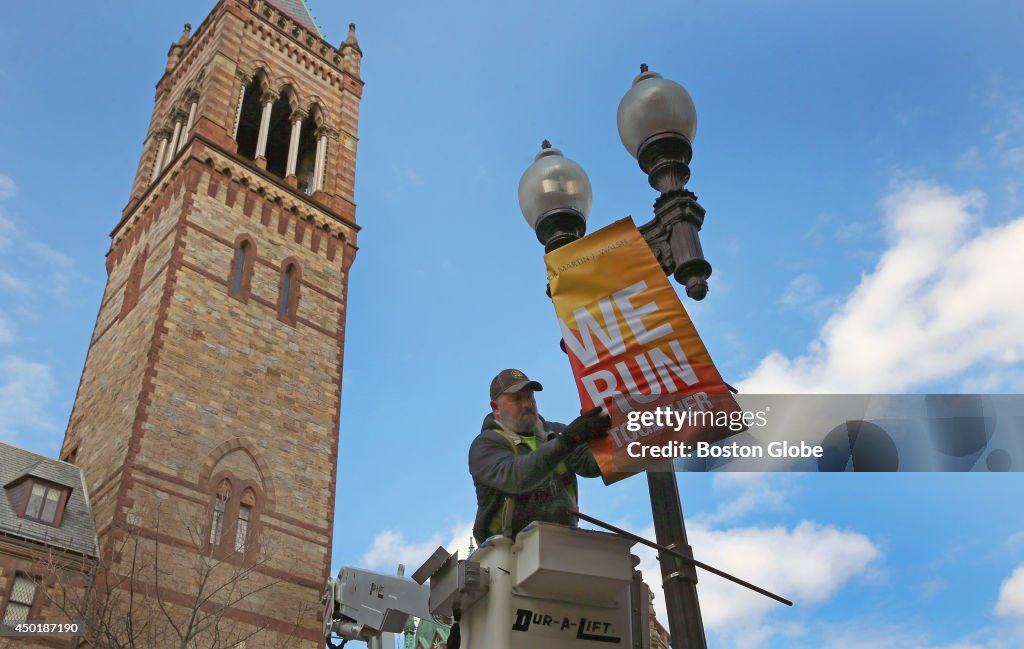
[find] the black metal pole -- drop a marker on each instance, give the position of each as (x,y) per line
(673,236)
(679,578)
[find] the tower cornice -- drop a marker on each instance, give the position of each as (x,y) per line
(204,151)
(277,21)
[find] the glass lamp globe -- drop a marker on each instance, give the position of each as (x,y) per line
(654,105)
(553,183)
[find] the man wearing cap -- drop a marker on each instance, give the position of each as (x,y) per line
(524,468)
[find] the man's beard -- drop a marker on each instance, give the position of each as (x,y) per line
(525,423)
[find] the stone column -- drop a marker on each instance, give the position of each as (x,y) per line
(193,107)
(246,80)
(293,144)
(261,142)
(164,135)
(321,159)
(173,148)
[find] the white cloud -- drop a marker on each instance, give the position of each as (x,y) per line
(970,159)
(26,390)
(998,380)
(752,492)
(1015,541)
(807,563)
(1010,130)
(804,292)
(872,635)
(413,177)
(1014,156)
(47,267)
(391,548)
(936,304)
(801,290)
(7,187)
(11,284)
(6,329)
(1011,595)
(827,227)
(7,229)
(932,587)
(816,562)
(60,268)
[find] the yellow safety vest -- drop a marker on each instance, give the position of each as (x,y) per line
(502,519)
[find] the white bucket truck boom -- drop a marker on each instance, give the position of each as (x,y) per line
(552,587)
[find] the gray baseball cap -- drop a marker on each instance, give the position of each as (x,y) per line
(509,381)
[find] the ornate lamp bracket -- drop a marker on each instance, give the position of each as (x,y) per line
(673,238)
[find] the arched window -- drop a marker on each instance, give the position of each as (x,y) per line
(238,272)
(286,288)
(279,135)
(305,168)
(288,298)
(249,115)
(220,505)
(240,279)
(245,512)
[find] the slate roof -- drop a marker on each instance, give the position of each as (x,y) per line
(77,531)
(299,12)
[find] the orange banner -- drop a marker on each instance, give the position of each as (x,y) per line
(635,351)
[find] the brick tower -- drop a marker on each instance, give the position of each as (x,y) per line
(206,420)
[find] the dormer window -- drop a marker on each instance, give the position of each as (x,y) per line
(44,502)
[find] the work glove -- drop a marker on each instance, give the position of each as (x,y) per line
(593,424)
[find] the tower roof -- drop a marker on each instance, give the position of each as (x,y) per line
(298,10)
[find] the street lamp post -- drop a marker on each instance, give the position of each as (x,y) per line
(657,123)
(555,197)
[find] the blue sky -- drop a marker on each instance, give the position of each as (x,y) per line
(861,166)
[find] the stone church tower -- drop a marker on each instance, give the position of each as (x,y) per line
(206,420)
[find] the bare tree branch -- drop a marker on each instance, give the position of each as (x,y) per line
(149,587)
